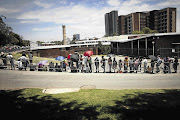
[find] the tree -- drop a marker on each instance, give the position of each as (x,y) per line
(104,49)
(145,30)
(7,36)
(137,32)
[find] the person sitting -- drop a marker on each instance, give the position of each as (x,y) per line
(51,66)
(64,65)
(57,68)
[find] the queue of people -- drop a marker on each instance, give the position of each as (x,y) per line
(84,64)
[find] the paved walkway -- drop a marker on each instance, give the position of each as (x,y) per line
(10,79)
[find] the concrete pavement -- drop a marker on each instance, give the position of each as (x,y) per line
(10,79)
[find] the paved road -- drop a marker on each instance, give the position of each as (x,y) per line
(34,79)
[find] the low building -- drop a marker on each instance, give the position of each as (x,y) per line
(163,44)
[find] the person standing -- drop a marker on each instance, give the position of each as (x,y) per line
(24,61)
(159,61)
(140,63)
(11,60)
(145,65)
(103,62)
(30,57)
(136,64)
(81,63)
(110,64)
(3,56)
(152,66)
(166,64)
(175,64)
(120,65)
(114,64)
(90,64)
(131,65)
(126,64)
(96,61)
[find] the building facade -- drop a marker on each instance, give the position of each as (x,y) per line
(163,20)
(76,37)
(111,23)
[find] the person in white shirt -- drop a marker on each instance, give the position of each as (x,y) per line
(145,64)
(11,60)
(24,60)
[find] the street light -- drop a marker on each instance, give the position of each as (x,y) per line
(153,47)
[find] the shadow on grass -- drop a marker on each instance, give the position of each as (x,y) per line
(46,108)
(147,106)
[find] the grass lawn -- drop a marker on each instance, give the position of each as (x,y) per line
(127,104)
(35,58)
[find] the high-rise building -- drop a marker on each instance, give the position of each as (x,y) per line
(162,20)
(111,23)
(76,37)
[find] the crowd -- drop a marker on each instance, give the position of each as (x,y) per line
(86,64)
(13,48)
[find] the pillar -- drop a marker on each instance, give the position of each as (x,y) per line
(146,45)
(132,47)
(138,47)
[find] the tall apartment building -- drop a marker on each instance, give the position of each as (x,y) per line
(111,23)
(162,20)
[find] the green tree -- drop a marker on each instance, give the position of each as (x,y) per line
(104,49)
(145,30)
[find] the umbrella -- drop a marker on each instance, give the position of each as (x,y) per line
(74,57)
(152,57)
(69,57)
(43,62)
(60,58)
(88,53)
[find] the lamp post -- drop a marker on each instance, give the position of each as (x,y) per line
(153,47)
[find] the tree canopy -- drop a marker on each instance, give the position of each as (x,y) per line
(145,30)
(7,36)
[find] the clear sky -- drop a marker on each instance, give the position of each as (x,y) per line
(42,19)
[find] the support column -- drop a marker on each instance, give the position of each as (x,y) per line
(138,47)
(132,47)
(146,46)
(117,48)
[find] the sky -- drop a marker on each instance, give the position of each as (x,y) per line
(42,20)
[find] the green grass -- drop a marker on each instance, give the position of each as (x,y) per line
(92,104)
(35,58)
